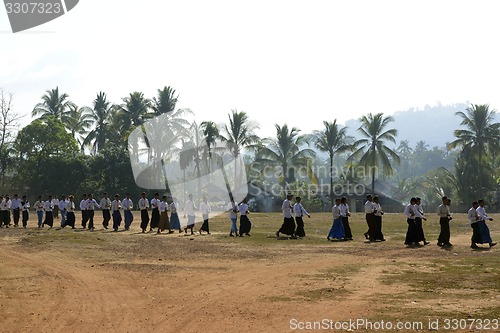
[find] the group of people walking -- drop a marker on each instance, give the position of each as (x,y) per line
(477,218)
(160,220)
(293,213)
(341,229)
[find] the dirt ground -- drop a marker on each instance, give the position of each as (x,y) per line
(101,281)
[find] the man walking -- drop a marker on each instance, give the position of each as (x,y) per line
(444,221)
(143,207)
(105,206)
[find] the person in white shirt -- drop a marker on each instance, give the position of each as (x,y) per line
(91,205)
(299,212)
(155,213)
(69,207)
(344,215)
(105,205)
(16,209)
(164,222)
(245,224)
(205,211)
(62,207)
(5,207)
(128,205)
(288,226)
(39,210)
(484,231)
(419,216)
(175,222)
(189,209)
(379,236)
(83,208)
(337,229)
(49,217)
(117,216)
(143,207)
(2,212)
(473,218)
(370,218)
(55,207)
(25,207)
(411,233)
(233,216)
(443,211)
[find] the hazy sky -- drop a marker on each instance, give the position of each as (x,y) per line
(299,62)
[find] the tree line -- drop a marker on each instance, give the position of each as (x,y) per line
(70,148)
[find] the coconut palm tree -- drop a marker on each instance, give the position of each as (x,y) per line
(421,146)
(481,135)
(77,121)
(100,114)
(372,150)
(333,140)
(211,132)
(165,102)
(53,104)
(133,113)
(285,152)
(239,135)
(404,148)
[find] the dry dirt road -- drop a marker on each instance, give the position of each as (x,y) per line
(81,281)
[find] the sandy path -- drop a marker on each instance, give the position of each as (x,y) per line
(46,293)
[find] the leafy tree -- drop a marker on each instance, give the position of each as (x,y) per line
(40,146)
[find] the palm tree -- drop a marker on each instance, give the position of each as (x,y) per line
(481,135)
(421,146)
(372,147)
(211,132)
(100,114)
(77,121)
(285,152)
(53,104)
(133,113)
(239,135)
(333,140)
(404,148)
(165,102)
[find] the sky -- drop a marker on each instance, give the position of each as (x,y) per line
(294,62)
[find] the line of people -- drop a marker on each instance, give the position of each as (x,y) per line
(293,227)
(160,220)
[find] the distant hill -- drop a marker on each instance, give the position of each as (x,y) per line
(433,124)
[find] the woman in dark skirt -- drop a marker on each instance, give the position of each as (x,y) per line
(155,213)
(205,211)
(70,213)
(245,224)
(288,226)
(299,212)
(175,223)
